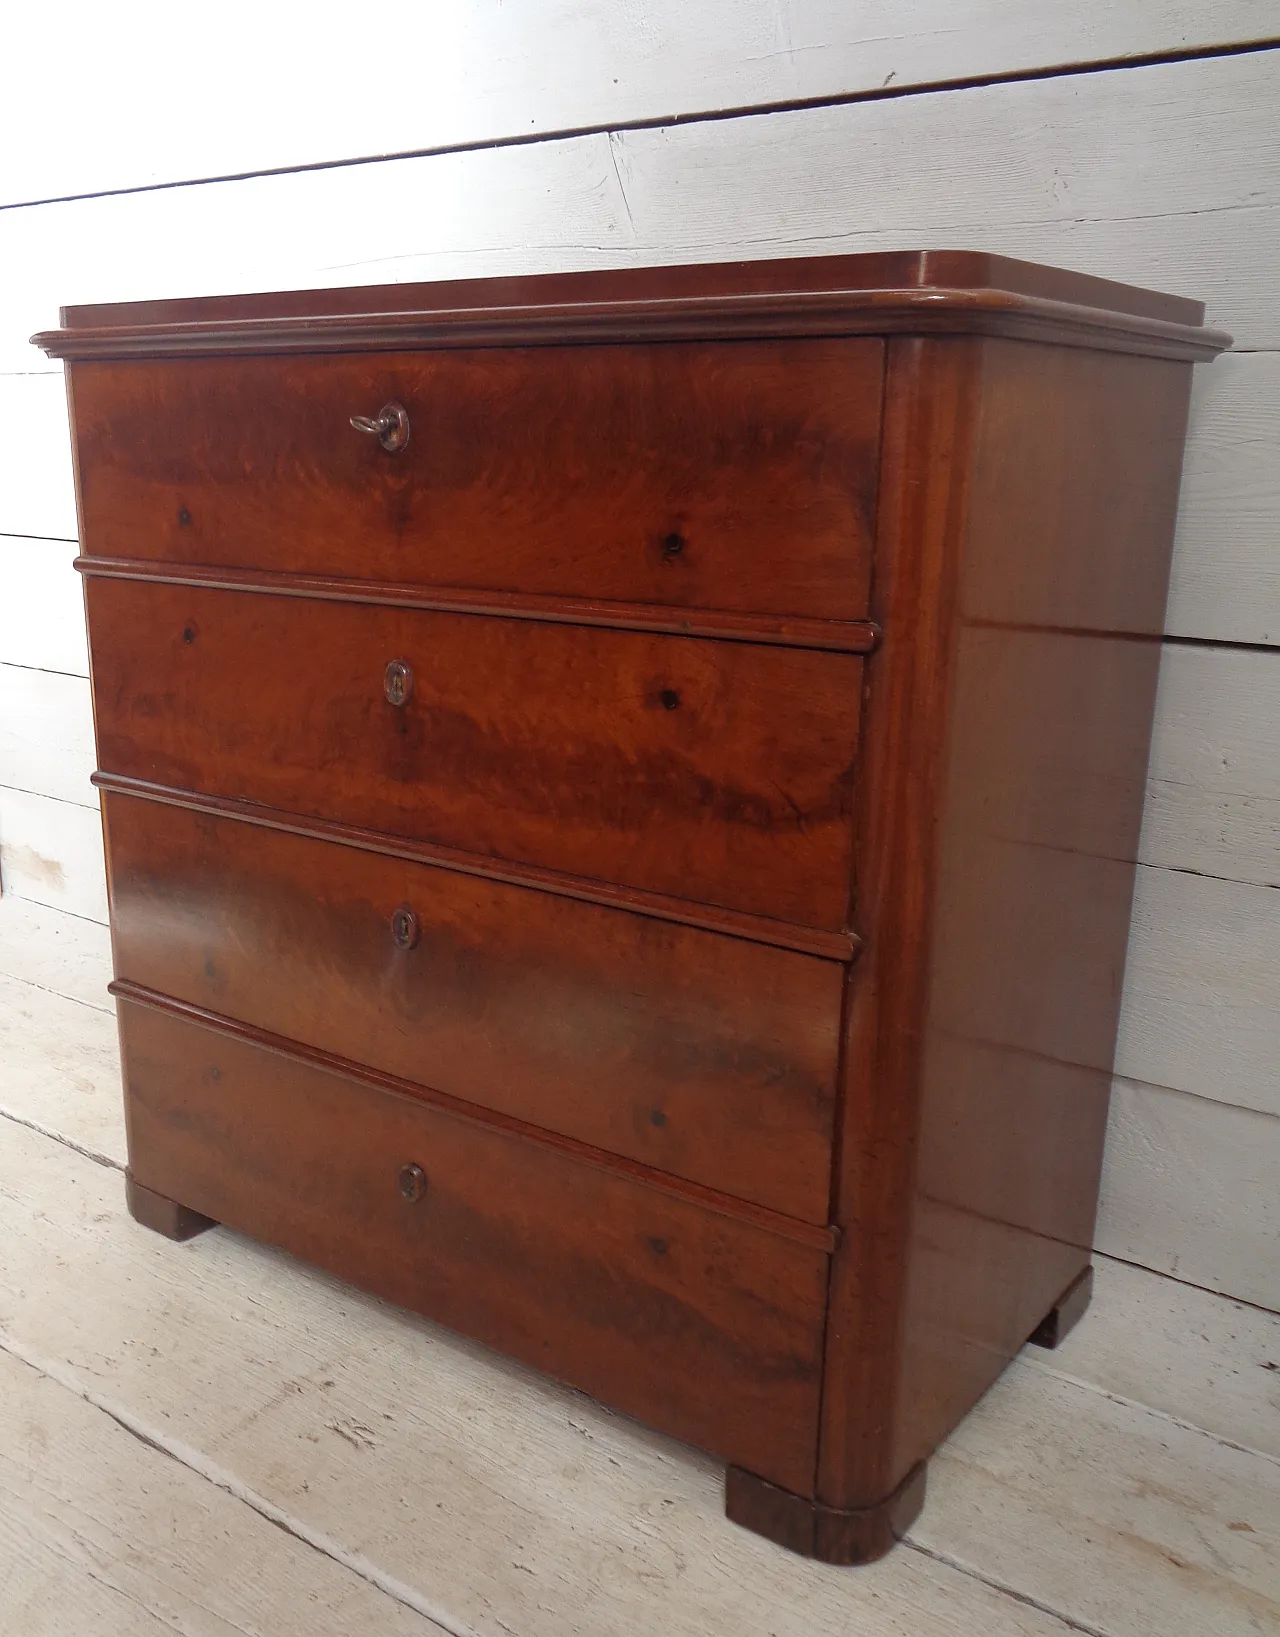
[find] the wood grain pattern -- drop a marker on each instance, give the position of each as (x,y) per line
(1025,519)
(1225,584)
(940,276)
(732,478)
(636,1297)
(724,318)
(784,630)
(613,1166)
(714,771)
(836,946)
(710,1058)
(1000,802)
(931,401)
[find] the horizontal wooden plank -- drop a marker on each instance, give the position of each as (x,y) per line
(1180,1532)
(1201,1008)
(61,1066)
(41,606)
(53,950)
(46,734)
(559,205)
(1225,584)
(1163,175)
(486,71)
(1205,1361)
(485,1489)
(51,851)
(1213,787)
(106,1536)
(1191,1187)
(37,492)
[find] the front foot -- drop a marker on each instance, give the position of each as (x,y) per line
(1066,1312)
(163,1215)
(832,1534)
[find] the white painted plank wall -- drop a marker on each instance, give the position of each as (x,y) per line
(311,88)
(1166,174)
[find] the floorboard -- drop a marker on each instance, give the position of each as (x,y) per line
(103,1535)
(1127,1485)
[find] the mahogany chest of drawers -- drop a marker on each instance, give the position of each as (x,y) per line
(620,795)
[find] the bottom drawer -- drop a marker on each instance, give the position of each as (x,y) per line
(704,1325)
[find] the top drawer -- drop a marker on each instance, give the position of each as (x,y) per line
(727,475)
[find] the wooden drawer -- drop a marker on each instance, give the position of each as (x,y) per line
(714,771)
(708,1057)
(705,1325)
(737,477)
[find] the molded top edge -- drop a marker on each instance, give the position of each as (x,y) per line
(886,290)
(899,269)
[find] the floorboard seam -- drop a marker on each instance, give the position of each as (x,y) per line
(201,1466)
(61,994)
(66,1142)
(1147,1409)
(1176,1278)
(1070,1623)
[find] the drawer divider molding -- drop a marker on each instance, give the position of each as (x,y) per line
(763,929)
(813,1235)
(792,631)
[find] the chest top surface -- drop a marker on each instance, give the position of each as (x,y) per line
(918,291)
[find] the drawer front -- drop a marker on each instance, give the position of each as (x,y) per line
(713,771)
(735,476)
(708,1057)
(705,1326)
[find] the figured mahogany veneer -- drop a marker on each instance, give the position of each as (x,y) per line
(641,872)
(707,1326)
(698,475)
(707,1057)
(713,771)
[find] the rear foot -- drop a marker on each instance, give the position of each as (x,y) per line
(163,1215)
(1066,1312)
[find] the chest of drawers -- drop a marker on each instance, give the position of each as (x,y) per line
(621,793)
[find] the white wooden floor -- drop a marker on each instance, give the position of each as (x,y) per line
(210,1439)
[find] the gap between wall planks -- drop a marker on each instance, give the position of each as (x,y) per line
(1051,169)
(485,73)
(1167,175)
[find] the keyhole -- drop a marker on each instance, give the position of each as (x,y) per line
(404,928)
(397,682)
